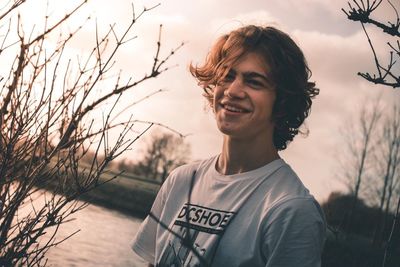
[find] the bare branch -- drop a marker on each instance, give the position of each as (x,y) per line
(362,14)
(44,134)
(361,11)
(14,6)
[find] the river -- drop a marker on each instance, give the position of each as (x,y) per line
(104,240)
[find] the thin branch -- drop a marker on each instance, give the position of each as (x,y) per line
(362,14)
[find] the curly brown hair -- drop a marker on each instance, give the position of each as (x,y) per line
(289,74)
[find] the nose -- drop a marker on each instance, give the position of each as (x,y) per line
(235,89)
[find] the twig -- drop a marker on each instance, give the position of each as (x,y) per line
(361,12)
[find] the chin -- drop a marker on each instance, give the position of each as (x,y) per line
(233,132)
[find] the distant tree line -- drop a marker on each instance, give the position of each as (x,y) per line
(371,159)
(162,153)
(364,224)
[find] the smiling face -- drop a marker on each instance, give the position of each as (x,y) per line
(243,100)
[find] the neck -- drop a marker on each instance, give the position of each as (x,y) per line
(239,156)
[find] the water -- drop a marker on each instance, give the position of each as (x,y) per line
(104,240)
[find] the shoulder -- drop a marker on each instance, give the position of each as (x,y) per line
(179,181)
(186,171)
(290,182)
(300,206)
(295,211)
(293,220)
(284,186)
(183,176)
(294,232)
(288,198)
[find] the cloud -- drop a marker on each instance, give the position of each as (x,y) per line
(335,61)
(334,57)
(336,50)
(259,17)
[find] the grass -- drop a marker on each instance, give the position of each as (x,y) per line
(128,194)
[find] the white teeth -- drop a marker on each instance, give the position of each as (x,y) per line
(233,109)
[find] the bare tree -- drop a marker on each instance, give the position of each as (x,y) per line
(359,138)
(163,153)
(394,238)
(47,124)
(362,11)
(388,159)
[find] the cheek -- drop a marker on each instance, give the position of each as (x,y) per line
(266,104)
(216,97)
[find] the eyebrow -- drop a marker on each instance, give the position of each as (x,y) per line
(255,75)
(250,74)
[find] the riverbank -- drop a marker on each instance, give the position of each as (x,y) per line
(129,201)
(131,195)
(128,194)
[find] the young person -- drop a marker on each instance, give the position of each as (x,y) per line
(245,206)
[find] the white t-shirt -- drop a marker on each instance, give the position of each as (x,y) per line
(264,217)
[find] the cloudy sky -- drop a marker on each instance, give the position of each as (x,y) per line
(336,50)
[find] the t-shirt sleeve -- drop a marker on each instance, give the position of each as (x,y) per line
(294,234)
(144,242)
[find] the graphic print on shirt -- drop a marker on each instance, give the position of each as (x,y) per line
(200,228)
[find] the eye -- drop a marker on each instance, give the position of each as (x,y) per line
(255,83)
(230,76)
